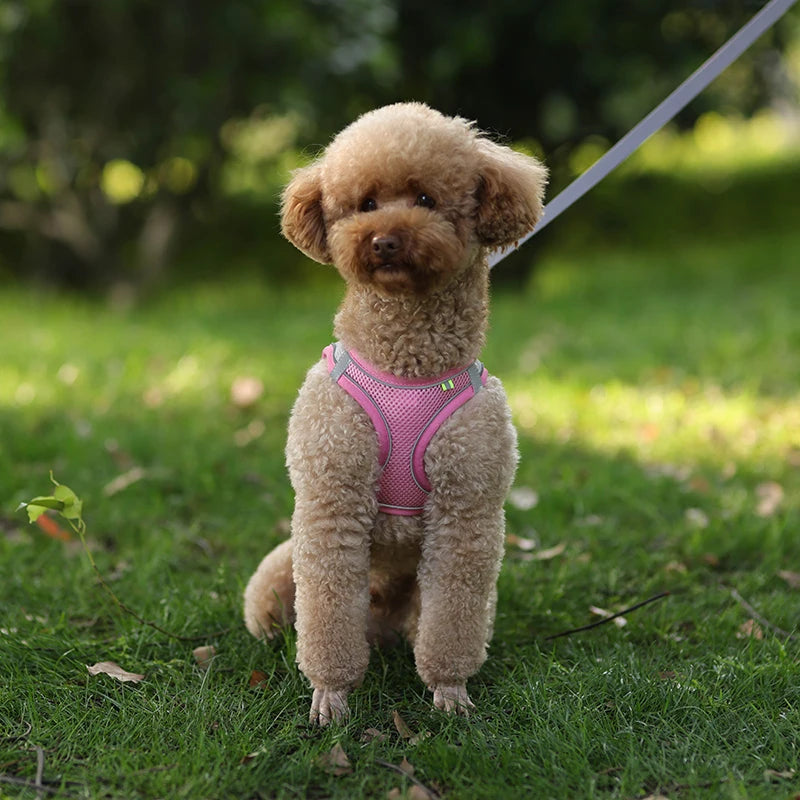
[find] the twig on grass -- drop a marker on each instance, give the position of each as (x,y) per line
(431,792)
(756,616)
(609,618)
(18,736)
(39,771)
(31,785)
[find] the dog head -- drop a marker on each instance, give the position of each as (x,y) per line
(404,198)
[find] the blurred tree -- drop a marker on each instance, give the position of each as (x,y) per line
(562,72)
(121,121)
(110,115)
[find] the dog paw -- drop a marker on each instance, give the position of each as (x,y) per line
(452,699)
(328,705)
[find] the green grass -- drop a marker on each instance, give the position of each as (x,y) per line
(656,395)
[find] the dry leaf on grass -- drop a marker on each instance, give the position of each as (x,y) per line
(52,529)
(122,482)
(413,793)
(255,754)
(335,761)
(372,735)
(772,774)
(258,680)
(114,671)
(549,553)
(770,495)
(523,497)
(401,725)
(406,732)
(750,629)
(204,655)
(620,622)
(791,578)
(406,766)
(517,541)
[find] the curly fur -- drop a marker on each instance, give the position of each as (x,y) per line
(406,203)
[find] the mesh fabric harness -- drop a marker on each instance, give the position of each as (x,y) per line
(406,413)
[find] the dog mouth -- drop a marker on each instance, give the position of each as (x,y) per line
(390,268)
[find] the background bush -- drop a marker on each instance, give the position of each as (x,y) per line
(137,134)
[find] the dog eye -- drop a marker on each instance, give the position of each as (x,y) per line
(425,200)
(369,204)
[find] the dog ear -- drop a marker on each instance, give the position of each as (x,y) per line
(510,194)
(302,221)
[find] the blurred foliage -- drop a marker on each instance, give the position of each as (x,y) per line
(135,134)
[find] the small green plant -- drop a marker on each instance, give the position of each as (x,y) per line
(68,505)
(64,502)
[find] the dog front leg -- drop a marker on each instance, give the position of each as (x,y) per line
(457,577)
(333,464)
(331,573)
(470,464)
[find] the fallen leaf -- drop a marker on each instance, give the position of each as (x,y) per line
(406,732)
(791,578)
(550,552)
(771,774)
(50,527)
(258,680)
(246,391)
(406,767)
(774,773)
(524,498)
(710,559)
(114,671)
(666,675)
(750,628)
(204,655)
(770,495)
(401,725)
(335,761)
(372,735)
(122,482)
(518,541)
(250,756)
(620,622)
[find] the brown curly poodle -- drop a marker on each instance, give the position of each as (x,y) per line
(401,448)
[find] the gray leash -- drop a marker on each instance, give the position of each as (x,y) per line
(658,117)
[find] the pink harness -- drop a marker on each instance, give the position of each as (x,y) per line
(406,413)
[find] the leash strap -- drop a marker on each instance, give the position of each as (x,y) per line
(658,117)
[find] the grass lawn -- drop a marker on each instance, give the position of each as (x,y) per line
(656,395)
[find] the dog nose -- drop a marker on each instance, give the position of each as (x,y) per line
(385,245)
